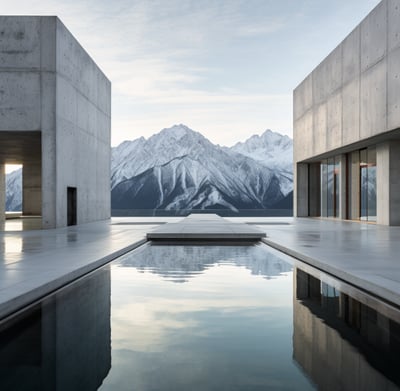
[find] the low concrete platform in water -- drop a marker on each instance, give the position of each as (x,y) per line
(206,227)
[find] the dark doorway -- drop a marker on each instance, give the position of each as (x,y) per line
(71,205)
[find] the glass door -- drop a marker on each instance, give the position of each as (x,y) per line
(368,184)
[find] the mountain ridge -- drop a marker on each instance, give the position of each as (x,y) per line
(209,176)
(179,168)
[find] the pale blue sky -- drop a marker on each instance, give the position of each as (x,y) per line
(224,68)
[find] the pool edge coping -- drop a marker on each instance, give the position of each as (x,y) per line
(372,288)
(18,303)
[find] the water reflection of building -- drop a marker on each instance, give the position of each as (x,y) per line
(340,342)
(63,343)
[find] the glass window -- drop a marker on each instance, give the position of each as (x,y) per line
(324,187)
(368,184)
(330,187)
(360,185)
(363,185)
(336,187)
(371,204)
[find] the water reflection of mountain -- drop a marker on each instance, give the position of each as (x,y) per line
(179,263)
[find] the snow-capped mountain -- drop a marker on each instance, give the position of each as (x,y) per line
(274,151)
(14,190)
(179,168)
(271,149)
(134,157)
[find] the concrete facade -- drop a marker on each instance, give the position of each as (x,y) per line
(351,101)
(55,110)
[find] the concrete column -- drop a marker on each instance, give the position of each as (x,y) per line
(48,121)
(343,188)
(32,188)
(314,189)
(300,204)
(354,184)
(2,192)
(388,182)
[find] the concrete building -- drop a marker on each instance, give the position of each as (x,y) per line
(55,120)
(347,126)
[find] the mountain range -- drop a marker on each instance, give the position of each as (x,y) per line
(14,190)
(180,169)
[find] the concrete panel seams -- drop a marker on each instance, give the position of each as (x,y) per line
(372,140)
(78,91)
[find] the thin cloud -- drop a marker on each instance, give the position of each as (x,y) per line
(261,30)
(225,68)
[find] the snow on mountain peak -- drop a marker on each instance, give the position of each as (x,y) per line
(132,159)
(270,148)
(179,168)
(176,131)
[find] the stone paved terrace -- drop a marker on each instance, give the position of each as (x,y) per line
(362,254)
(34,263)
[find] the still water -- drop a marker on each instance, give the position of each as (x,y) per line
(203,318)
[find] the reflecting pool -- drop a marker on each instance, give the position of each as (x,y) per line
(215,317)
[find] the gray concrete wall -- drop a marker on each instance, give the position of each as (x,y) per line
(24,48)
(354,93)
(2,192)
(20,65)
(352,100)
(83,123)
(48,83)
(300,195)
(388,183)
(32,188)
(48,121)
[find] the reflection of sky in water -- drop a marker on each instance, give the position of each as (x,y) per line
(224,327)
